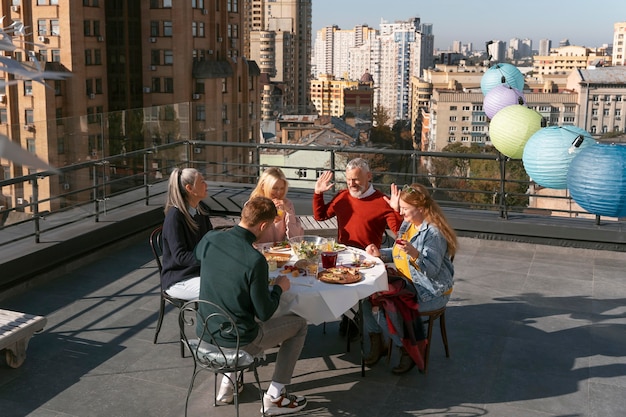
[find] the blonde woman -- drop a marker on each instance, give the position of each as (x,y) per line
(186,222)
(273,184)
(421,277)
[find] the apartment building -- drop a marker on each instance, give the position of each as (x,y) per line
(280,40)
(564,59)
(336,97)
(141,73)
(602,99)
(619,43)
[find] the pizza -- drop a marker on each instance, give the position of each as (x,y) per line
(364,264)
(339,275)
(280,246)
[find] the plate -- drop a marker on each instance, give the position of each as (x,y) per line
(339,247)
(280,247)
(339,275)
(365,264)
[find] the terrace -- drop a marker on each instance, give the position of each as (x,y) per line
(535,325)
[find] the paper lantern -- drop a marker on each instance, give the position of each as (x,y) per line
(511,128)
(500,97)
(549,152)
(498,74)
(597,179)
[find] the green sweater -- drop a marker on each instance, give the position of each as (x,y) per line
(234,275)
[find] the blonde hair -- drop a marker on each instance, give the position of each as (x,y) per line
(267,180)
(177,194)
(418,196)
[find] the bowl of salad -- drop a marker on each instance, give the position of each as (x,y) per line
(308,247)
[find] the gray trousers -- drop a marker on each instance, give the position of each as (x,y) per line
(288,331)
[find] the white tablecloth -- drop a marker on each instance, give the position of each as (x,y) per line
(319,302)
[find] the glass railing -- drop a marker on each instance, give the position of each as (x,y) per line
(93,189)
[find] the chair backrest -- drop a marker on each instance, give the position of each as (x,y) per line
(201,321)
(156,244)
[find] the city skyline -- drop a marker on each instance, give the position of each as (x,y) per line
(534,19)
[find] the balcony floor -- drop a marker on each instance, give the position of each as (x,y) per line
(534,331)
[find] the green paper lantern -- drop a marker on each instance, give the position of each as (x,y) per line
(511,128)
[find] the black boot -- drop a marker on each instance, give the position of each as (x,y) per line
(377,349)
(406,363)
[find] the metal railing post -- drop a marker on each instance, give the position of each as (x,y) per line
(145,177)
(35,206)
(94,169)
(502,201)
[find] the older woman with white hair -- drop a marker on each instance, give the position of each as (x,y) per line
(186,222)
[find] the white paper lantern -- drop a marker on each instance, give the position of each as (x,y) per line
(511,128)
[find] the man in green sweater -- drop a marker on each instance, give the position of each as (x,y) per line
(234,275)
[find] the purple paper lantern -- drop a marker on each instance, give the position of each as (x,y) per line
(549,152)
(498,74)
(500,97)
(596,179)
(511,128)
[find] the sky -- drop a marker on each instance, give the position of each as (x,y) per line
(584,22)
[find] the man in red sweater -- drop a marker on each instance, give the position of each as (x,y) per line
(362,212)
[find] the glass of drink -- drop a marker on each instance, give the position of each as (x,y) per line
(329,259)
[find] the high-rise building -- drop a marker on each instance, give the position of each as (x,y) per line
(280,40)
(178,65)
(619,43)
(544,47)
(333,48)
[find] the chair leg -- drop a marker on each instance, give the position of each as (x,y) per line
(160,320)
(193,378)
(444,335)
(258,384)
(429,338)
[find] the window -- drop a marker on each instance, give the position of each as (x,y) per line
(57,87)
(618,98)
(97,54)
(89,86)
(200,112)
(55,55)
(30,145)
(167,28)
(29,116)
(452,108)
(453,118)
(593,130)
(58,113)
(54,27)
(154,28)
(199,87)
(98,85)
(88,60)
(224,85)
(87,27)
(605,112)
(96,28)
(156,85)
(28,88)
(167,3)
(155,57)
(168,57)
(197,4)
(168,85)
(3,116)
(42,27)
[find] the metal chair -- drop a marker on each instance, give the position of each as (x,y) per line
(431,316)
(206,320)
(156,243)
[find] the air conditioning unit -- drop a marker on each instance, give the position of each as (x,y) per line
(21,201)
(92,96)
(152,67)
(3,98)
(66,186)
(100,38)
(226,121)
(196,96)
(197,150)
(205,11)
(210,51)
(15,9)
(29,128)
(153,40)
(146,90)
(219,39)
(42,39)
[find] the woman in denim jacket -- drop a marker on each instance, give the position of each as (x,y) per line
(422,255)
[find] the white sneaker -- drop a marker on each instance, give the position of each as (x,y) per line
(285,404)
(226,393)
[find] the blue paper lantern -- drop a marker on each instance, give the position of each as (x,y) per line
(511,127)
(499,74)
(597,179)
(549,152)
(500,97)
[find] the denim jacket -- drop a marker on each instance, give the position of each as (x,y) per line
(436,273)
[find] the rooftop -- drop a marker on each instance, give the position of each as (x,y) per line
(534,330)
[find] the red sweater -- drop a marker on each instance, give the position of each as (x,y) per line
(359,221)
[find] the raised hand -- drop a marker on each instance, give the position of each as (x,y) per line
(324,182)
(394,200)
